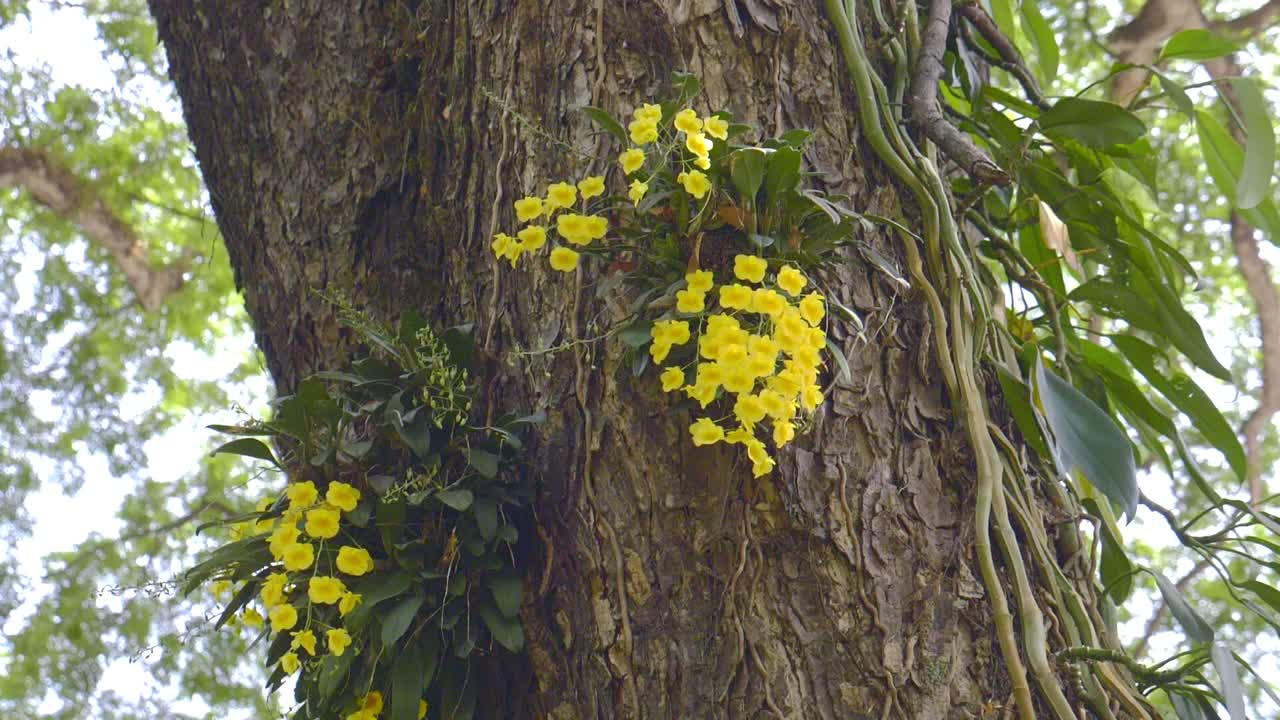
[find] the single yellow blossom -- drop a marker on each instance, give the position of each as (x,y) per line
(637,191)
(687,121)
(643,132)
(812,309)
(749,267)
(564,259)
(783,432)
(702,162)
(591,186)
(702,392)
(344,496)
(648,112)
(768,302)
(283,617)
(348,603)
(735,297)
(272,591)
(528,208)
(302,494)
(631,160)
(699,280)
(672,379)
(716,127)
(791,280)
(325,590)
(354,561)
(338,640)
(298,556)
(532,238)
(282,538)
(706,432)
(289,663)
(422,709)
(252,618)
(699,144)
(659,350)
(372,702)
(695,183)
(305,640)
(560,195)
(690,301)
(596,226)
(322,522)
(674,332)
(749,410)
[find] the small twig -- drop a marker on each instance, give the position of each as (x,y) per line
(1010,59)
(928,117)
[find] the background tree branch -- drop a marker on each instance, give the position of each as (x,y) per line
(56,188)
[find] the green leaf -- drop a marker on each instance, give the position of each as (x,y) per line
(397,620)
(333,673)
(1116,570)
(1179,96)
(606,122)
(1198,44)
(485,463)
(637,334)
(1088,440)
(1192,624)
(783,171)
(1232,692)
(408,680)
(1092,122)
(485,511)
(746,169)
(1185,708)
(1017,397)
(459,499)
(375,590)
(1187,396)
(248,447)
(507,631)
(508,592)
(1269,594)
(1260,146)
(1042,37)
(845,374)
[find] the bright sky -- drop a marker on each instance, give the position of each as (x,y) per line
(77,58)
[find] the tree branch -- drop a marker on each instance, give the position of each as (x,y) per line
(1252,22)
(928,117)
(55,187)
(1010,59)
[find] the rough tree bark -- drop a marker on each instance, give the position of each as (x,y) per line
(373,148)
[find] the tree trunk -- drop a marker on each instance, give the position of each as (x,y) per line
(374,148)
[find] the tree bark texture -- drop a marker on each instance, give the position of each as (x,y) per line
(373,148)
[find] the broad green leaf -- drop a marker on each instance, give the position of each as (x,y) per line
(746,169)
(373,591)
(1232,692)
(606,123)
(508,592)
(1087,440)
(333,673)
(1042,37)
(1017,397)
(485,463)
(1185,708)
(1116,570)
(398,619)
(1197,44)
(485,511)
(1260,145)
(782,172)
(1093,122)
(1187,396)
(637,334)
(408,680)
(1224,159)
(506,630)
(1269,594)
(1192,624)
(248,447)
(458,499)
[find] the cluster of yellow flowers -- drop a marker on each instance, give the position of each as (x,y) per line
(572,227)
(583,229)
(739,350)
(296,550)
(371,707)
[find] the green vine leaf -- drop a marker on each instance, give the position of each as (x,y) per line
(408,680)
(1260,144)
(1088,440)
(1093,122)
(248,447)
(508,593)
(1197,44)
(398,619)
(458,499)
(505,630)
